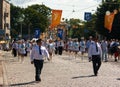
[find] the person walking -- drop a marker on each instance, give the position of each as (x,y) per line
(76,47)
(104,46)
(50,48)
(95,52)
(60,47)
(82,47)
(22,51)
(56,46)
(37,54)
(14,48)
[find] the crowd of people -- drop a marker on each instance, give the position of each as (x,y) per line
(109,48)
(97,50)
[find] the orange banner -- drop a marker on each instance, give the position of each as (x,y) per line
(108,21)
(56,17)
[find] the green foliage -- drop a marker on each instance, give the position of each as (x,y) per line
(15,14)
(34,16)
(101,10)
(79,28)
(37,15)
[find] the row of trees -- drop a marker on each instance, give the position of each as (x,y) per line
(38,16)
(35,16)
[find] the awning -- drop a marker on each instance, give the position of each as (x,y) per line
(2,42)
(2,32)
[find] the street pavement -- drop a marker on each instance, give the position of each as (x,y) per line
(62,71)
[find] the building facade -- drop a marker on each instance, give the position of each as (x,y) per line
(4,19)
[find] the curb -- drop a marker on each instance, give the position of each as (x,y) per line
(1,74)
(5,81)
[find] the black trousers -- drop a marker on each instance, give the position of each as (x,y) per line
(60,49)
(96,60)
(56,50)
(26,52)
(38,68)
(14,52)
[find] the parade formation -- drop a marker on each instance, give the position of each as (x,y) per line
(41,47)
(39,52)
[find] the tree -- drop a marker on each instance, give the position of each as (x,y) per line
(38,16)
(74,29)
(35,16)
(89,27)
(101,10)
(15,25)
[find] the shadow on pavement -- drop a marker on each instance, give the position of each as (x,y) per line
(118,78)
(83,76)
(20,84)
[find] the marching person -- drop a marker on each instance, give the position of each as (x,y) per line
(50,48)
(88,43)
(82,47)
(104,46)
(14,48)
(56,46)
(70,45)
(22,51)
(95,52)
(37,54)
(76,47)
(60,47)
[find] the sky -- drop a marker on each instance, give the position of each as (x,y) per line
(70,8)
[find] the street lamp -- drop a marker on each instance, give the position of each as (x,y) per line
(21,19)
(29,26)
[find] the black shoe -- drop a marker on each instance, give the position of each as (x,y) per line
(39,80)
(106,61)
(115,60)
(90,59)
(95,74)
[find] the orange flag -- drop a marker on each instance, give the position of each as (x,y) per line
(108,21)
(56,17)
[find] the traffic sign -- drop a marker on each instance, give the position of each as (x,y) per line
(87,16)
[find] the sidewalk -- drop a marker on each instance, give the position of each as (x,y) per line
(1,74)
(63,71)
(3,78)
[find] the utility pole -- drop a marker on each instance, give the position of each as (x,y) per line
(29,30)
(21,29)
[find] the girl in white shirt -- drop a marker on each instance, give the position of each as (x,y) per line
(76,47)
(51,48)
(22,50)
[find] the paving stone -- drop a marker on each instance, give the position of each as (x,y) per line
(63,72)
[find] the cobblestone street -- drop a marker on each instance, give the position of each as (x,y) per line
(62,71)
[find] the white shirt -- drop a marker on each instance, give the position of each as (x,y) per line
(104,46)
(60,44)
(56,44)
(76,45)
(35,53)
(50,47)
(15,45)
(92,49)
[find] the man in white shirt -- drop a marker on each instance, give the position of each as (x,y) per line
(37,54)
(95,52)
